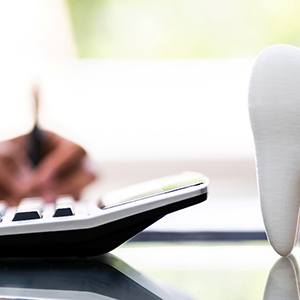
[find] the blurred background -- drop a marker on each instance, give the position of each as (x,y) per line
(152,88)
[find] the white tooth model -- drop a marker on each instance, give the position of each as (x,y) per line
(274,104)
(283,281)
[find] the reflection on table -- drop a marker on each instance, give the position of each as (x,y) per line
(283,281)
(105,277)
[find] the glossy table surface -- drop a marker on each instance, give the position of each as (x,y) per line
(104,277)
(213,271)
(227,271)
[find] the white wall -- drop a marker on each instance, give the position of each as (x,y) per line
(166,110)
(152,110)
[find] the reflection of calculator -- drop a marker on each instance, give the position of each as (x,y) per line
(74,229)
(97,278)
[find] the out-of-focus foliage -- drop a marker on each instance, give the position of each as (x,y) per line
(182,28)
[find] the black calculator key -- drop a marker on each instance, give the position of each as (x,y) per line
(64,207)
(29,209)
(29,215)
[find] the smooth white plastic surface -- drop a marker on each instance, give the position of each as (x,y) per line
(274,104)
(92,216)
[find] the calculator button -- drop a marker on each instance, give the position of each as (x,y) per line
(29,209)
(64,207)
(3,208)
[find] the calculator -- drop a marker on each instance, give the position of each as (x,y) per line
(70,228)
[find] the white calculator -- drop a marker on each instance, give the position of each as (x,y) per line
(69,228)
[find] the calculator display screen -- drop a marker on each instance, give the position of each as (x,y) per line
(151,188)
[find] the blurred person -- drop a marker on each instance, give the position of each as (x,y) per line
(34,34)
(64,169)
(42,163)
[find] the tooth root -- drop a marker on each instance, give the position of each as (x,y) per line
(280,208)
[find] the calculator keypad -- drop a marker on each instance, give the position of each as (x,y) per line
(35,208)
